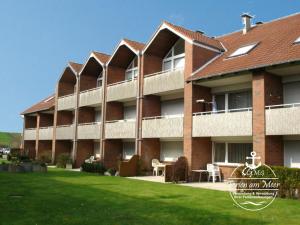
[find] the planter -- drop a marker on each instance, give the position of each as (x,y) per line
(44,169)
(19,169)
(36,168)
(3,167)
(12,168)
(69,166)
(27,166)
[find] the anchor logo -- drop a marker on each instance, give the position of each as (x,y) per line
(253,157)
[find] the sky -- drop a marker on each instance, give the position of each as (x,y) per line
(38,38)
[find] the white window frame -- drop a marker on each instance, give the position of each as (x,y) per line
(100,78)
(226,163)
(172,58)
(239,52)
(133,69)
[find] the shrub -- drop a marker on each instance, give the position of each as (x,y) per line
(112,171)
(95,167)
(63,159)
(45,157)
(23,158)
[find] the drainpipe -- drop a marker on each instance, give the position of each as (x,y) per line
(103,112)
(139,106)
(54,125)
(75,124)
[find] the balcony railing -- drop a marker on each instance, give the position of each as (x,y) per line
(65,132)
(283,119)
(164,81)
(45,133)
(90,97)
(162,126)
(30,134)
(89,130)
(66,102)
(234,122)
(119,129)
(122,90)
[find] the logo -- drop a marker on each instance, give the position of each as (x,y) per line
(255,185)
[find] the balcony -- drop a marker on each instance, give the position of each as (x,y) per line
(162,126)
(90,97)
(120,129)
(45,133)
(283,119)
(66,102)
(124,90)
(65,132)
(30,134)
(165,81)
(89,131)
(236,122)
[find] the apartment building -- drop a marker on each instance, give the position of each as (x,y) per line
(210,99)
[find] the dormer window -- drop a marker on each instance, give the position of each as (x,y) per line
(100,80)
(243,50)
(297,41)
(132,70)
(175,57)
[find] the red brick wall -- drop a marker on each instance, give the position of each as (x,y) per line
(150,149)
(85,149)
(86,115)
(46,120)
(194,147)
(29,147)
(115,74)
(266,90)
(151,64)
(66,88)
(64,118)
(112,153)
(44,147)
(274,150)
(151,106)
(114,111)
(63,147)
(30,121)
(88,82)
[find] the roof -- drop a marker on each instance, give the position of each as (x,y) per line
(75,66)
(196,36)
(138,46)
(45,104)
(275,46)
(101,56)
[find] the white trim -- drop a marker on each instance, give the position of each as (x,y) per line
(92,55)
(189,40)
(122,42)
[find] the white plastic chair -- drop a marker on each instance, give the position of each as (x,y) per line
(156,168)
(213,172)
(90,160)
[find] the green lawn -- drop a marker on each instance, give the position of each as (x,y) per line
(62,197)
(12,140)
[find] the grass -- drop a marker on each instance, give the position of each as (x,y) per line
(12,140)
(63,197)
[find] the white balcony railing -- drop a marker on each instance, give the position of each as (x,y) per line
(90,97)
(65,132)
(164,81)
(45,133)
(119,129)
(283,119)
(235,122)
(122,90)
(89,130)
(162,126)
(30,134)
(66,102)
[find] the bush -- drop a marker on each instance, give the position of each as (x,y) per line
(63,159)
(23,158)
(46,157)
(112,171)
(289,179)
(95,167)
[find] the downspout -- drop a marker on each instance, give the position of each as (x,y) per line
(37,135)
(54,125)
(139,106)
(103,112)
(76,118)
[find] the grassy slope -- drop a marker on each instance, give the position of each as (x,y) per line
(10,139)
(61,197)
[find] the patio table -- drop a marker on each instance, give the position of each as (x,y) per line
(200,172)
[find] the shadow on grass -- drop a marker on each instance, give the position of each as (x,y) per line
(58,198)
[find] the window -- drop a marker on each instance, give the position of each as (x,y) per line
(100,80)
(175,57)
(132,70)
(234,100)
(243,50)
(98,115)
(130,112)
(297,41)
(170,151)
(231,152)
(128,150)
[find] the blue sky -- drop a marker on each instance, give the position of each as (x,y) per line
(38,38)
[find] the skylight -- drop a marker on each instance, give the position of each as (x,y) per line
(297,41)
(243,50)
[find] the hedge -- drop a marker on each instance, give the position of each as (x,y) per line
(95,167)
